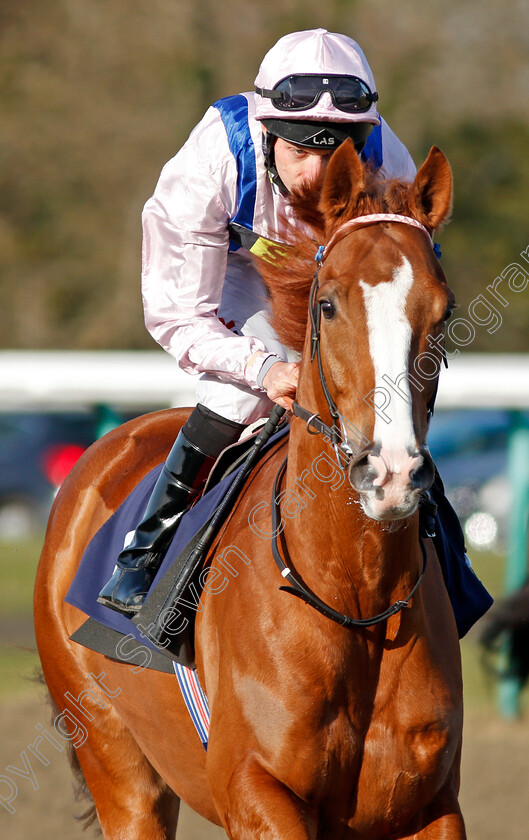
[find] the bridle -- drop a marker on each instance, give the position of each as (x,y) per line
(337,433)
(345,454)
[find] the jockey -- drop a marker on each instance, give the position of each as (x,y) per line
(222,195)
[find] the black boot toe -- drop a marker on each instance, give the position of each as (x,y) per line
(126,590)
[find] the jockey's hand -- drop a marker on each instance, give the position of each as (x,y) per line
(281,382)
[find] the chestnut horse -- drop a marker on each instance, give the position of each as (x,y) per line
(318,729)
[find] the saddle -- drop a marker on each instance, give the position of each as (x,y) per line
(165,624)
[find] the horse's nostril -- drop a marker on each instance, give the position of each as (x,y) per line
(368,470)
(361,474)
(422,476)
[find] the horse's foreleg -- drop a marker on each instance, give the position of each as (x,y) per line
(442,820)
(255,804)
(446,827)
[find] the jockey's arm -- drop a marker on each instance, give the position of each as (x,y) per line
(185,247)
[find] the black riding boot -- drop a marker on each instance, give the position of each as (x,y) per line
(183,476)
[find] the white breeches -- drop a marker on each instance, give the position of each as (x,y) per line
(244,309)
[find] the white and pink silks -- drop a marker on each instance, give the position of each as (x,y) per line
(204,303)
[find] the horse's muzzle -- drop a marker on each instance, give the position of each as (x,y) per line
(390,482)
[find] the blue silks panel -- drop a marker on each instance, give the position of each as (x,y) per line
(234,113)
(372,150)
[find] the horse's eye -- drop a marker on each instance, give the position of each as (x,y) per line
(448,314)
(328,309)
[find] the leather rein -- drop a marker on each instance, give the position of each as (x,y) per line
(344,451)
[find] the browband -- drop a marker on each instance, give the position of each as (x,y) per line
(363,221)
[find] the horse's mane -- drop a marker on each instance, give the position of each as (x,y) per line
(288,277)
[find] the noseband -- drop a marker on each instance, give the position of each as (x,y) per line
(345,454)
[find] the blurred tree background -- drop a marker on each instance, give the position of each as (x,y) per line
(95,96)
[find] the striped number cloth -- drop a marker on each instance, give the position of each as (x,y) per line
(195,700)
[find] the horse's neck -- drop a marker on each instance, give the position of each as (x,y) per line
(356,564)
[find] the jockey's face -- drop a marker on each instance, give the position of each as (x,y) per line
(296,164)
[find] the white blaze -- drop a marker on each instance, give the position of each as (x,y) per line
(389,334)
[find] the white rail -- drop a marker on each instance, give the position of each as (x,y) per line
(151,379)
(60,379)
(482,380)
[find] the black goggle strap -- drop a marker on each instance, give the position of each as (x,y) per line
(269,94)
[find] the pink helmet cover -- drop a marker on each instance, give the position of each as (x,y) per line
(314,51)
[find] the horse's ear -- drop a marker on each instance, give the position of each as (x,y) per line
(432,190)
(344,181)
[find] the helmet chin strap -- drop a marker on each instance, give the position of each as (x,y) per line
(270,165)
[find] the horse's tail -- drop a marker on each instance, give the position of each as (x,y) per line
(505,630)
(81,790)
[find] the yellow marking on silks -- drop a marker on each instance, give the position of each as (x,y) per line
(268,250)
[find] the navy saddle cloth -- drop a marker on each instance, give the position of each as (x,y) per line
(470,600)
(112,634)
(98,561)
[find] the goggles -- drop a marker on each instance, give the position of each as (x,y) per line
(301,92)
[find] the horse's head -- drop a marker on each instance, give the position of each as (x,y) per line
(383,300)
